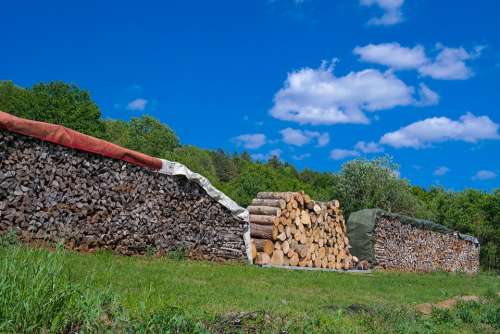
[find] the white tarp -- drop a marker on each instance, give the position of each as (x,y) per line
(175,168)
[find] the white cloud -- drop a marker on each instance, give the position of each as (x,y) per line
(323,139)
(339,154)
(294,137)
(449,63)
(137,104)
(392,55)
(298,137)
(301,156)
(392,11)
(268,155)
(483,175)
(427,97)
(370,147)
(251,141)
(423,133)
(317,96)
(441,171)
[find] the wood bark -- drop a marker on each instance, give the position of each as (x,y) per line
(304,233)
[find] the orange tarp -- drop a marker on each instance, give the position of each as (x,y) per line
(58,134)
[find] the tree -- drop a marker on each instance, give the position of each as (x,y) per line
(145,134)
(196,159)
(55,102)
(375,184)
(225,167)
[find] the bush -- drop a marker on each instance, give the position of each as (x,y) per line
(375,184)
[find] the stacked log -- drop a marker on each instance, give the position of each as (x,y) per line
(406,247)
(290,229)
(51,194)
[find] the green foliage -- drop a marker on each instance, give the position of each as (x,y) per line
(196,159)
(225,166)
(374,184)
(8,239)
(144,134)
(55,102)
(254,177)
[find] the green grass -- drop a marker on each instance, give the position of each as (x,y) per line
(217,288)
(65,291)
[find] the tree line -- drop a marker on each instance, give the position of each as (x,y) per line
(359,184)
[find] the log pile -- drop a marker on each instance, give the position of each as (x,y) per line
(290,229)
(49,193)
(406,247)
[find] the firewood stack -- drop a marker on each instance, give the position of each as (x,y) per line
(408,248)
(290,229)
(51,194)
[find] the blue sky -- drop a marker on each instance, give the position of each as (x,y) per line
(318,82)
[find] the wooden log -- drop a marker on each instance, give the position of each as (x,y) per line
(262,219)
(277,203)
(264,245)
(261,231)
(305,219)
(285,246)
(262,258)
(264,210)
(301,250)
(275,195)
(278,258)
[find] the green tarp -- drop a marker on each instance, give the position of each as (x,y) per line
(361,224)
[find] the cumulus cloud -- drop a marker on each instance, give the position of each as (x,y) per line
(317,96)
(251,141)
(339,154)
(393,55)
(448,64)
(392,11)
(443,170)
(137,104)
(468,128)
(370,147)
(483,175)
(298,137)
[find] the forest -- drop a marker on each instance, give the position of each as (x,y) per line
(360,183)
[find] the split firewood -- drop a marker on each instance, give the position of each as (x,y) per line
(303,232)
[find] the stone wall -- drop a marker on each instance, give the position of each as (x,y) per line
(50,193)
(403,246)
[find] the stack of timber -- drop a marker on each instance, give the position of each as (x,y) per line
(393,241)
(404,247)
(52,194)
(290,229)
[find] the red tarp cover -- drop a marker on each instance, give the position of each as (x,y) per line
(58,134)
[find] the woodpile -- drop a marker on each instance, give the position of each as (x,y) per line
(49,193)
(290,229)
(407,247)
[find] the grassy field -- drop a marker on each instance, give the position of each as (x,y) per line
(147,294)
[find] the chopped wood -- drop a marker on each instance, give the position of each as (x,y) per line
(306,233)
(275,203)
